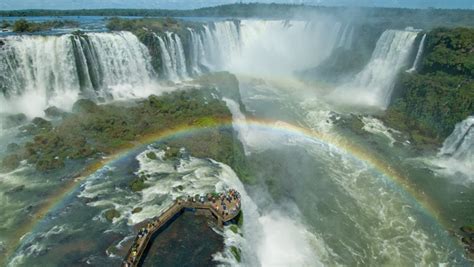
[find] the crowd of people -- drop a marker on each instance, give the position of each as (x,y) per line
(226,203)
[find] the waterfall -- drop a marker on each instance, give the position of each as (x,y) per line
(460,144)
(220,42)
(345,37)
(268,47)
(418,55)
(197,52)
(456,157)
(180,58)
(41,71)
(373,86)
(172,56)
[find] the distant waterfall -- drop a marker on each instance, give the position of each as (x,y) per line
(39,71)
(421,48)
(221,41)
(460,144)
(373,86)
(345,37)
(250,46)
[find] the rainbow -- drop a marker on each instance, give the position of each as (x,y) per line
(339,143)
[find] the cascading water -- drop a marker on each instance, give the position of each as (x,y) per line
(172,56)
(373,86)
(42,71)
(221,41)
(269,47)
(418,54)
(457,153)
(345,36)
(196,52)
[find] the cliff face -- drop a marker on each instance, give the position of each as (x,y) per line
(93,130)
(441,94)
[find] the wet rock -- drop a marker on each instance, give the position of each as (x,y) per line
(111,214)
(2,43)
(14,120)
(37,126)
(90,200)
(236,253)
(467,230)
(42,123)
(137,210)
(10,162)
(467,238)
(138,184)
(151,155)
(54,112)
(85,106)
(15,190)
(13,147)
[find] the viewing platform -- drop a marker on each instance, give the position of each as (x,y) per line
(224,207)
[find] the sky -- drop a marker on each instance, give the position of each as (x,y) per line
(190,4)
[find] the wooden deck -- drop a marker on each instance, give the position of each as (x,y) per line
(224,209)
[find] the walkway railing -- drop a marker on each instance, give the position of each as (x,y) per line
(223,209)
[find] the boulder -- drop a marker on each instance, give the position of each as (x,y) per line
(13,147)
(10,162)
(137,210)
(54,112)
(42,123)
(85,106)
(111,214)
(14,120)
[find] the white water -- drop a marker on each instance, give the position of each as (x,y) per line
(41,71)
(346,35)
(376,126)
(172,56)
(421,48)
(457,154)
(269,47)
(373,86)
(279,48)
(197,52)
(221,42)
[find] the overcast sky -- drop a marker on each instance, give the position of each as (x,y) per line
(189,4)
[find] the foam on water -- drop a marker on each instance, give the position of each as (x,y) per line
(375,126)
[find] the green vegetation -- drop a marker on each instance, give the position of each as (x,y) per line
(137,210)
(236,252)
(138,184)
(111,214)
(11,162)
(395,17)
(146,30)
(240,219)
(14,120)
(171,153)
(152,24)
(234,228)
(345,62)
(151,155)
(23,25)
(432,101)
(92,131)
(5,24)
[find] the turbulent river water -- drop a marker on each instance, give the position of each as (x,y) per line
(319,199)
